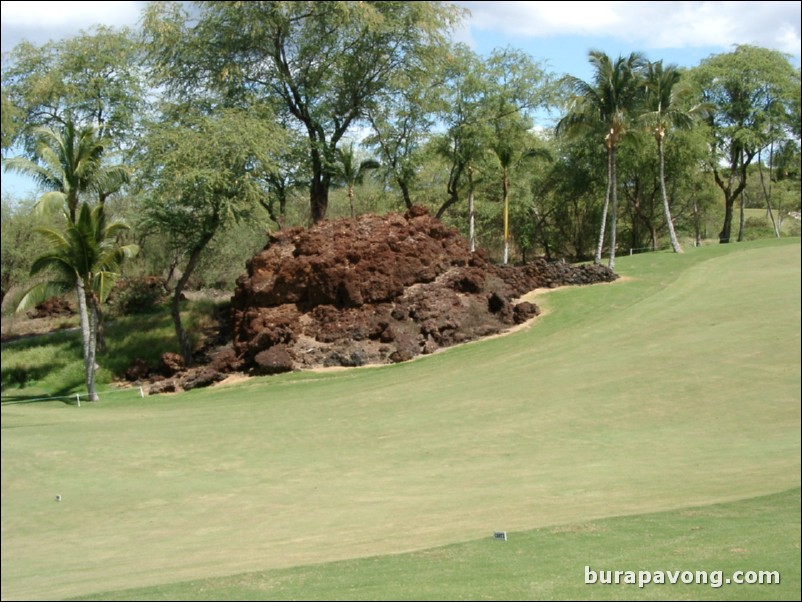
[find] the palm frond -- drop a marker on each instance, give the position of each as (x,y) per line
(42,292)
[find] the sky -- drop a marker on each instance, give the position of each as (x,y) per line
(557,34)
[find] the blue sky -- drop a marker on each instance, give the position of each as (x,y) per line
(559,34)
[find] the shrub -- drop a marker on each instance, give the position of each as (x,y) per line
(138,295)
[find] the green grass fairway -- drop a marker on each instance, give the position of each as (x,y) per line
(549,563)
(671,391)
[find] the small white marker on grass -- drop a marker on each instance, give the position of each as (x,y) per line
(500,535)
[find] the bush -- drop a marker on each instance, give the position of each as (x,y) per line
(757,227)
(138,295)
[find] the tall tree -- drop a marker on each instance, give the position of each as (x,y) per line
(201,173)
(401,122)
(752,91)
(87,257)
(516,86)
(607,103)
(465,116)
(92,79)
(667,106)
(322,63)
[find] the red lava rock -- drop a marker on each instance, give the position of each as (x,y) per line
(50,308)
(378,289)
(273,361)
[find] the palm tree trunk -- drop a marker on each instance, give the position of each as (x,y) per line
(671,233)
(351,199)
(600,245)
(87,336)
(613,209)
(100,329)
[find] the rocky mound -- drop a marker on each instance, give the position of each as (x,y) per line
(378,289)
(375,289)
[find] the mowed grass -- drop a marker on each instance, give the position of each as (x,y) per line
(722,542)
(676,388)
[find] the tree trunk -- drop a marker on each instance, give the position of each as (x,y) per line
(319,188)
(87,339)
(100,330)
(452,188)
(741,218)
(600,245)
(471,222)
(729,194)
(696,223)
(319,199)
(767,192)
(724,235)
(175,304)
(402,184)
(505,187)
(613,209)
(671,233)
(351,200)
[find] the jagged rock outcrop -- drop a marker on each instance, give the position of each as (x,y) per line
(378,289)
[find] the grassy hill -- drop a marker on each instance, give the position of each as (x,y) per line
(668,392)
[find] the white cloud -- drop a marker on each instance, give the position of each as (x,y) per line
(649,25)
(56,15)
(543,18)
(39,22)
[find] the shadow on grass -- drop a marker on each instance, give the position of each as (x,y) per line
(24,399)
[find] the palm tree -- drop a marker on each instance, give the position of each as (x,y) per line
(69,166)
(85,256)
(508,145)
(607,102)
(666,97)
(350,173)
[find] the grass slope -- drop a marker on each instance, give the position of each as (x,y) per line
(676,388)
(549,563)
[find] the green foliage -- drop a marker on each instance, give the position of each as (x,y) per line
(321,64)
(224,259)
(204,172)
(296,81)
(606,107)
(68,165)
(87,250)
(94,78)
(138,295)
(754,93)
(19,243)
